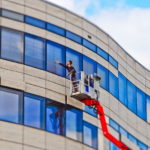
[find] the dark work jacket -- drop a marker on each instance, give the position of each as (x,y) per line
(70,70)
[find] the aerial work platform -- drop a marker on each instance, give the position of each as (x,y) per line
(87,91)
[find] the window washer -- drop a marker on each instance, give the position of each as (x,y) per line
(71,72)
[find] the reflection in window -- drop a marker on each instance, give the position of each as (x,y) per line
(113,84)
(141,104)
(12,15)
(76,60)
(12,45)
(132,139)
(113,147)
(90,135)
(34,107)
(113,124)
(131,96)
(55,52)
(35,22)
(122,89)
(10,105)
(142,146)
(74,123)
(123,132)
(55,117)
(34,51)
(148,109)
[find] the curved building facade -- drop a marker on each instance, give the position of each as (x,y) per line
(36,110)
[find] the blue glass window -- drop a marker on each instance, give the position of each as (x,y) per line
(131,96)
(34,111)
(34,51)
(102,53)
(35,22)
(90,111)
(12,45)
(12,15)
(73,37)
(141,104)
(148,109)
(113,124)
(90,135)
(55,117)
(113,62)
(74,123)
(11,105)
(142,146)
(113,147)
(123,132)
(113,84)
(55,52)
(89,66)
(122,89)
(89,45)
(55,29)
(76,59)
(132,139)
(103,73)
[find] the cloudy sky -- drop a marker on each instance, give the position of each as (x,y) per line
(127,21)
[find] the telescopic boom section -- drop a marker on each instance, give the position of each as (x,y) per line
(100,111)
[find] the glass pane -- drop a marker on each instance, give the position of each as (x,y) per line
(141,104)
(12,15)
(131,96)
(74,37)
(89,45)
(74,124)
(12,45)
(132,139)
(34,107)
(90,135)
(35,22)
(114,124)
(55,118)
(122,89)
(76,59)
(56,29)
(113,84)
(113,147)
(148,109)
(142,146)
(34,51)
(10,105)
(123,132)
(103,73)
(55,52)
(113,62)
(102,53)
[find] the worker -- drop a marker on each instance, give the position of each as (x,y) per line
(71,72)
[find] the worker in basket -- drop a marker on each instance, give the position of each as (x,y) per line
(71,72)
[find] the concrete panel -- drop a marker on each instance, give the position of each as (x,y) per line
(114,104)
(102,36)
(102,45)
(140,69)
(4,145)
(35,13)
(74,29)
(40,5)
(25,147)
(34,72)
(122,70)
(13,6)
(131,70)
(74,102)
(34,137)
(35,90)
(12,24)
(73,19)
(102,61)
(55,87)
(147,75)
(130,61)
(11,66)
(35,81)
(112,44)
(113,132)
(55,142)
(122,53)
(73,145)
(113,70)
(132,120)
(55,78)
(35,31)
(55,11)
(11,132)
(140,78)
(55,96)
(122,62)
(148,83)
(56,38)
(18,1)
(87,148)
(122,112)
(113,53)
(90,119)
(56,21)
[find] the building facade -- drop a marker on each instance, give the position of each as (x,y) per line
(36,110)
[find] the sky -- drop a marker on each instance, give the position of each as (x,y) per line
(127,21)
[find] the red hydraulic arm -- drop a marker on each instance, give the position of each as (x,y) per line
(100,111)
